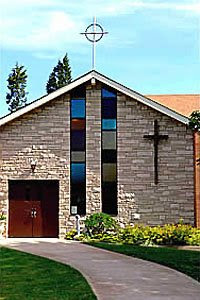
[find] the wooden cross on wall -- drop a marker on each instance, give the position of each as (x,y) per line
(156,138)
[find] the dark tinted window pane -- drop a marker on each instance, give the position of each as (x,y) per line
(78,92)
(78,197)
(77,108)
(109,124)
(109,196)
(78,156)
(77,140)
(78,172)
(78,124)
(109,109)
(108,93)
(109,156)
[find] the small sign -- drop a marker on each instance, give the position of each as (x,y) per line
(73,210)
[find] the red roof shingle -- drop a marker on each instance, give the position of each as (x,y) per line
(184,104)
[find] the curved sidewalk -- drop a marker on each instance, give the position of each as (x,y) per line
(114,276)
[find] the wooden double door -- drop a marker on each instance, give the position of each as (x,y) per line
(33,208)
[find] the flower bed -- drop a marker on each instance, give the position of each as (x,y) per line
(101,227)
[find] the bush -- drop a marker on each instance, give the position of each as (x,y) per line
(170,234)
(104,228)
(100,223)
(134,234)
(194,238)
(71,234)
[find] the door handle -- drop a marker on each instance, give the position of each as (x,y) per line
(33,213)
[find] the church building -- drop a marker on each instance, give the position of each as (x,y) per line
(96,146)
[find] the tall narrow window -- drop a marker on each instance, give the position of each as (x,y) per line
(78,148)
(109,150)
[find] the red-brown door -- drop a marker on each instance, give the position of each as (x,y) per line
(33,208)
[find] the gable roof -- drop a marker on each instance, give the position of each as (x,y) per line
(100,77)
(183,104)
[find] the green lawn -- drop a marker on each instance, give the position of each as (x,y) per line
(185,261)
(26,276)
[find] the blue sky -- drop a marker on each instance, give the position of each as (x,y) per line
(152,46)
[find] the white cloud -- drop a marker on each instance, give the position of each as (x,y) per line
(43,25)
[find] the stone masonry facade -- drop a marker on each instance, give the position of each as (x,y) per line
(173,197)
(44,134)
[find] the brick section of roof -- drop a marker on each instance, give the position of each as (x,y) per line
(183,104)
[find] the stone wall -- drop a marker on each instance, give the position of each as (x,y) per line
(173,197)
(93,148)
(44,134)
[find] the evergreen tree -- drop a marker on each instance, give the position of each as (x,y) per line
(60,76)
(51,84)
(16,97)
(61,80)
(67,69)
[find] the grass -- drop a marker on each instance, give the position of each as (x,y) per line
(26,276)
(185,261)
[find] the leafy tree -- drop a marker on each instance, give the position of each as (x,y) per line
(194,121)
(194,124)
(16,97)
(60,76)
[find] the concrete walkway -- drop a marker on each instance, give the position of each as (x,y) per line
(111,275)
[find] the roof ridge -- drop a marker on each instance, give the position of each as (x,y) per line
(105,80)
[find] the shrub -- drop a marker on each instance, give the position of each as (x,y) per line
(170,234)
(194,238)
(2,217)
(100,223)
(134,234)
(71,234)
(102,227)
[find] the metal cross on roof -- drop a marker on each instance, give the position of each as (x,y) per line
(94,33)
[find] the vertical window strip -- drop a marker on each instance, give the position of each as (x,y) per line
(109,151)
(78,152)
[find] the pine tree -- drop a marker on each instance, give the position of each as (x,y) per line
(60,76)
(51,84)
(67,69)
(16,97)
(61,80)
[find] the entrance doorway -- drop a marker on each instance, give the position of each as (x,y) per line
(33,208)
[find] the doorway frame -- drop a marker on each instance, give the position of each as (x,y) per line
(57,181)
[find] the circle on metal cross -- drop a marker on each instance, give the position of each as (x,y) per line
(96,36)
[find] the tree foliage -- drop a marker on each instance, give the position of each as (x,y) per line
(60,76)
(16,97)
(194,124)
(194,121)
